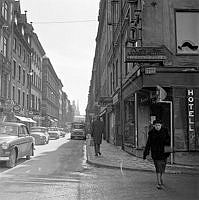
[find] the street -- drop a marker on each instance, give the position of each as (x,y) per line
(59,171)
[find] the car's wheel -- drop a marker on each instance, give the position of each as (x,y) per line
(12,159)
(31,153)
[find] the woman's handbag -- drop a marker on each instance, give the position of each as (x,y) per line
(168,149)
(91,142)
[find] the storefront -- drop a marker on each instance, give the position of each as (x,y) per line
(178,110)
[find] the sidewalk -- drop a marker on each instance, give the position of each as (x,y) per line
(113,157)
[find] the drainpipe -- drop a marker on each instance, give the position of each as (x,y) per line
(136,121)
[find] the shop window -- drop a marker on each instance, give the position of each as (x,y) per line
(4,10)
(187,32)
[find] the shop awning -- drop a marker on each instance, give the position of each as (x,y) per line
(25,119)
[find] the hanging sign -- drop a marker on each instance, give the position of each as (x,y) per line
(144,54)
(191,118)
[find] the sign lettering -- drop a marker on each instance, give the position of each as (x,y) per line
(191,118)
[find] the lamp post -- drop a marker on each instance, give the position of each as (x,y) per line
(3,28)
(29,100)
(121,82)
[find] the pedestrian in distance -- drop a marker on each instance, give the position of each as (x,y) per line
(97,129)
(158,138)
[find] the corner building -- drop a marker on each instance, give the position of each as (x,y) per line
(152,60)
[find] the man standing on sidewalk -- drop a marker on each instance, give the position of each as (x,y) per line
(97,129)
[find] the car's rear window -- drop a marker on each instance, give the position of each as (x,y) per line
(38,130)
(8,130)
(78,126)
(53,129)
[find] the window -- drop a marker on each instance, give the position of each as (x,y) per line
(39,104)
(22,30)
(36,102)
(115,12)
(15,45)
(4,10)
(111,85)
(28,39)
(25,130)
(116,74)
(14,69)
(28,80)
(4,85)
(16,21)
(28,59)
(33,101)
(19,96)
(24,77)
(27,101)
(13,93)
(19,73)
(113,76)
(4,46)
(24,55)
(23,99)
(187,32)
(34,78)
(19,50)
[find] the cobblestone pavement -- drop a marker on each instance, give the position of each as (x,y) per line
(113,157)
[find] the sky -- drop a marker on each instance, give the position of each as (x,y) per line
(67,30)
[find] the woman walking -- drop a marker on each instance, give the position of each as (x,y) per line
(158,138)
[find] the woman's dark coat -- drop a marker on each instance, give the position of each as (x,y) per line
(156,142)
(97,130)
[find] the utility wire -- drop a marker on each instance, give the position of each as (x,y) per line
(64,22)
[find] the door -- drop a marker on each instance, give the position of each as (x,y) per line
(22,146)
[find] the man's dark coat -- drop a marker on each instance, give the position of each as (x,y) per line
(97,130)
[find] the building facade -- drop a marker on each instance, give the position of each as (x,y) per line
(21,63)
(36,78)
(22,89)
(50,94)
(6,23)
(152,63)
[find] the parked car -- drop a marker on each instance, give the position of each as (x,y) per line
(54,133)
(78,131)
(62,132)
(15,142)
(39,137)
(40,134)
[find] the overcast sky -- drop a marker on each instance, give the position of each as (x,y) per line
(67,30)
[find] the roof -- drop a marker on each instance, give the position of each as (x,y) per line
(39,127)
(12,123)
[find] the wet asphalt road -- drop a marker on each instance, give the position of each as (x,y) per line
(59,171)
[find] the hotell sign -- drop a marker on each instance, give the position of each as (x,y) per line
(144,54)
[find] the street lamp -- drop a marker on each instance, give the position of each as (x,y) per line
(30,74)
(121,82)
(3,27)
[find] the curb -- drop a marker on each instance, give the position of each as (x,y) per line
(133,169)
(168,170)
